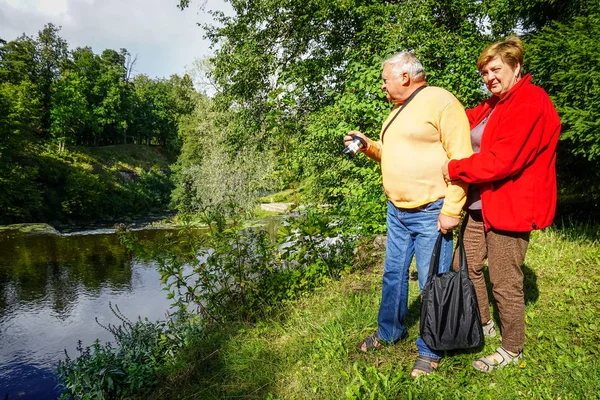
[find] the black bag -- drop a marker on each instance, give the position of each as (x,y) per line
(450,317)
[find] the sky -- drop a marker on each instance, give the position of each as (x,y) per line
(165,39)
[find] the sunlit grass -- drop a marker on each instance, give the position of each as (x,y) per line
(309,350)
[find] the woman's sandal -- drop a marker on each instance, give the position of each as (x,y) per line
(489,329)
(488,364)
(372,342)
(424,366)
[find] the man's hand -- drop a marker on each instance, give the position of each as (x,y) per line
(348,138)
(446,223)
(445,172)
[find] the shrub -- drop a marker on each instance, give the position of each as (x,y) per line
(144,348)
(232,271)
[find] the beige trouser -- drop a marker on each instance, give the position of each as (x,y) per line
(505,252)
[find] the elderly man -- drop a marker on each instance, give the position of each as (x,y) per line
(413,146)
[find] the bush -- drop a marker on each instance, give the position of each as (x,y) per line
(232,271)
(144,349)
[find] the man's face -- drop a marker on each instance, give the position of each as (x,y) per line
(499,77)
(392,85)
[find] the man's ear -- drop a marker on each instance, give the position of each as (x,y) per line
(405,78)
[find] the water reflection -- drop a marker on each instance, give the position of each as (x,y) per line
(51,290)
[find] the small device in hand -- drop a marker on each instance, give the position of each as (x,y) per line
(354,146)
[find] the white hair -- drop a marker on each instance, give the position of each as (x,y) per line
(406,62)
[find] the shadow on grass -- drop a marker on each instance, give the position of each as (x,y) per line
(210,373)
(414,313)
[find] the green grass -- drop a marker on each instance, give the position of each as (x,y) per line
(130,157)
(290,195)
(309,350)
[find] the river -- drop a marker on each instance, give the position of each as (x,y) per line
(52,288)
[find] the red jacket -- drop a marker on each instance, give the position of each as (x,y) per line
(515,168)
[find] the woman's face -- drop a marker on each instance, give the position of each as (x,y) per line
(499,77)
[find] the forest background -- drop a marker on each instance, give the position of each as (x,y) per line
(287,80)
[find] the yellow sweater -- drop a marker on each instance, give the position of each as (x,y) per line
(433,129)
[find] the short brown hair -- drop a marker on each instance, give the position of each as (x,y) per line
(510,50)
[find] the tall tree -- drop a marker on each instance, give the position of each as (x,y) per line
(114,91)
(564,59)
(51,57)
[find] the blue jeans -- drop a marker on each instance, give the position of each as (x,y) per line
(410,232)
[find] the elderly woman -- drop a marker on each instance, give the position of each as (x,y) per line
(513,189)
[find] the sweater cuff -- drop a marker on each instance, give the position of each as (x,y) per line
(371,150)
(450,214)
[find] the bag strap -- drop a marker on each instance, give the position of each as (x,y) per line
(402,108)
(460,247)
(437,249)
(435,257)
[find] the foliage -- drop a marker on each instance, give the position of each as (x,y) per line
(74,186)
(144,348)
(308,350)
(21,197)
(208,172)
(231,271)
(534,15)
(556,54)
(55,98)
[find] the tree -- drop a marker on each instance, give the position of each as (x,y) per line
(70,115)
(51,56)
(296,75)
(564,59)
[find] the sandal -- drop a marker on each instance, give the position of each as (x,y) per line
(489,329)
(424,366)
(489,364)
(372,342)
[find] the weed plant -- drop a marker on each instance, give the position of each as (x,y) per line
(309,349)
(235,272)
(143,351)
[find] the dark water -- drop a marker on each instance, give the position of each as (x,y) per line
(51,290)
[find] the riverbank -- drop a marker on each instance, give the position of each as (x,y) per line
(152,221)
(308,351)
(158,221)
(87,185)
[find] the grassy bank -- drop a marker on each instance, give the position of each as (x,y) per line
(85,185)
(309,350)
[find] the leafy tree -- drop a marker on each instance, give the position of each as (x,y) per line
(113,91)
(51,55)
(297,75)
(565,60)
(533,15)
(70,114)
(74,99)
(207,174)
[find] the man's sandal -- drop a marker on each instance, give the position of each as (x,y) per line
(424,366)
(489,329)
(372,342)
(488,364)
